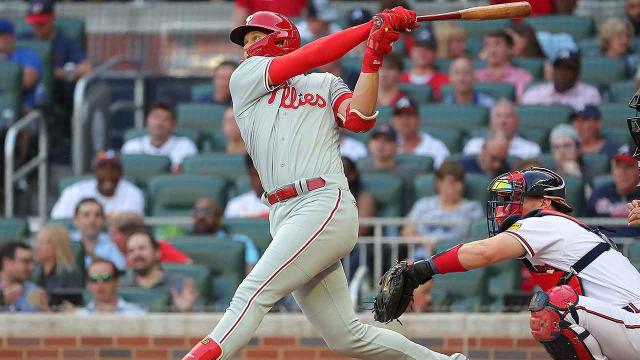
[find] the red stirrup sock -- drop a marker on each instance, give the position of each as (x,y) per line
(206,349)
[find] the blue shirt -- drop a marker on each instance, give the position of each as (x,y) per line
(251,254)
(65,49)
(27,58)
(103,248)
(24,304)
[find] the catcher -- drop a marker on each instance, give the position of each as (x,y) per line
(590,306)
(634,129)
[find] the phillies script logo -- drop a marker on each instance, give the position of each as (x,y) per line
(290,99)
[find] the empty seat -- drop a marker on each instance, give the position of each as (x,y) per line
(480,28)
(386,189)
(621,91)
(539,136)
(142,167)
(633,252)
(201,90)
(229,166)
(452,138)
(206,118)
(589,47)
(465,291)
(460,117)
(384,114)
(615,114)
(478,230)
(602,71)
(616,134)
(150,300)
(175,195)
(575,194)
(420,94)
(256,229)
(11,87)
(579,27)
(474,45)
(352,62)
(13,229)
(543,116)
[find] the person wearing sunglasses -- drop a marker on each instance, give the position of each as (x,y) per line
(102,283)
(17,293)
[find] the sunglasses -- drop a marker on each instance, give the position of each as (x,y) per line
(100,277)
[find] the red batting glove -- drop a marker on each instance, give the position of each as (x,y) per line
(402,19)
(379,43)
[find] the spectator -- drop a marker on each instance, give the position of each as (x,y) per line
(423,58)
(349,76)
(143,257)
(453,40)
(357,16)
(114,193)
(18,293)
(633,15)
(504,119)
(525,42)
(123,224)
(364,200)
(249,204)
(89,221)
(565,147)
(206,221)
(350,147)
(388,92)
(463,84)
(383,146)
(498,52)
(422,298)
(564,88)
(411,140)
(161,139)
(235,144)
(448,205)
(588,124)
(614,38)
(59,274)
(492,159)
(102,280)
(244,8)
(319,22)
(610,199)
(220,83)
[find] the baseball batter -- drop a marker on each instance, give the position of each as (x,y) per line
(590,306)
(289,122)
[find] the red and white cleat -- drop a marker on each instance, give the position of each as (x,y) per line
(206,349)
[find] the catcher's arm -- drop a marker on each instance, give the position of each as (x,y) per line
(489,251)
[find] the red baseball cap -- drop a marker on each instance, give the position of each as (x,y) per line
(624,155)
(40,12)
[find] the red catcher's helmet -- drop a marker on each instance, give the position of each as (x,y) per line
(283,36)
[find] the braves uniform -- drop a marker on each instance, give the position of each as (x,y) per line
(609,286)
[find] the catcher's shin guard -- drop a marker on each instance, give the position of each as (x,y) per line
(561,339)
(206,349)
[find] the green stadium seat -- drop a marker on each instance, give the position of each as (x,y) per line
(546,160)
(199,273)
(142,167)
(633,253)
(256,229)
(481,28)
(478,229)
(44,50)
(497,90)
(443,64)
(11,87)
(474,45)
(13,229)
(223,256)
(502,278)
(537,135)
(192,134)
(77,249)
(150,300)
(422,164)
(230,166)
(597,163)
(589,47)
(615,114)
(452,138)
(601,180)
(72,27)
(175,195)
(9,107)
(543,116)
(420,94)
(385,113)
(602,71)
(616,134)
(621,91)
(351,62)
(424,186)
(465,291)
(461,117)
(579,27)
(240,186)
(575,194)
(387,192)
(534,66)
(206,118)
(200,90)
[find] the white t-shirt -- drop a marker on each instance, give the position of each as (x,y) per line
(175,148)
(429,146)
(247,205)
(352,148)
(127,197)
(518,147)
(560,242)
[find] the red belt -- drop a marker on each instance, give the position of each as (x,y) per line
(289,191)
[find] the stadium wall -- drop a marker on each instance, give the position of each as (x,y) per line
(281,336)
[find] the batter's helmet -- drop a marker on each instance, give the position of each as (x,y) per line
(283,36)
(508,191)
(634,124)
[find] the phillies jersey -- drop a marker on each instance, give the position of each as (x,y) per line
(559,242)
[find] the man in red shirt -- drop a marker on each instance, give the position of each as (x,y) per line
(423,71)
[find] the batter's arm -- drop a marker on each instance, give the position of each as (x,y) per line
(362,103)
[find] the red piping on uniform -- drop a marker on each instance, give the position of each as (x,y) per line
(282,267)
(608,318)
(523,241)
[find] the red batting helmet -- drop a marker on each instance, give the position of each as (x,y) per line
(283,36)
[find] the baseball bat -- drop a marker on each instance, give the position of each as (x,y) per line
(489,12)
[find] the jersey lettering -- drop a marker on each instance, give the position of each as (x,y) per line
(290,99)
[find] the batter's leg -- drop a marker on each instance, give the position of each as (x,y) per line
(325,302)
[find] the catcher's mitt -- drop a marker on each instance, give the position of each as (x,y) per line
(395,295)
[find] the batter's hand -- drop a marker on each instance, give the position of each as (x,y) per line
(634,213)
(402,20)
(379,43)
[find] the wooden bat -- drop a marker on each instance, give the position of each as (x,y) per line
(490,12)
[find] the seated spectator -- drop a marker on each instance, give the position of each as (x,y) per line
(588,124)
(357,16)
(498,52)
(249,204)
(423,58)
(448,205)
(411,140)
(463,83)
(364,200)
(388,92)
(633,15)
(565,147)
(504,118)
(350,147)
(614,38)
(235,144)
(59,274)
(123,224)
(143,257)
(564,89)
(89,221)
(244,8)
(492,158)
(161,139)
(18,294)
(525,42)
(102,283)
(114,193)
(319,22)
(206,221)
(383,146)
(452,39)
(220,81)
(422,299)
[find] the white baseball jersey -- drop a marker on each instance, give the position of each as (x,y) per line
(247,205)
(127,197)
(175,148)
(286,139)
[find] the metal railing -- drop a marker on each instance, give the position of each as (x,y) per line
(11,175)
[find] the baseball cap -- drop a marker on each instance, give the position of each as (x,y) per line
(405,105)
(624,154)
(588,112)
(567,57)
(6,26)
(105,157)
(358,16)
(385,131)
(40,12)
(425,38)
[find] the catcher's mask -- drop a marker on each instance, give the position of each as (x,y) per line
(282,35)
(507,193)
(634,124)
